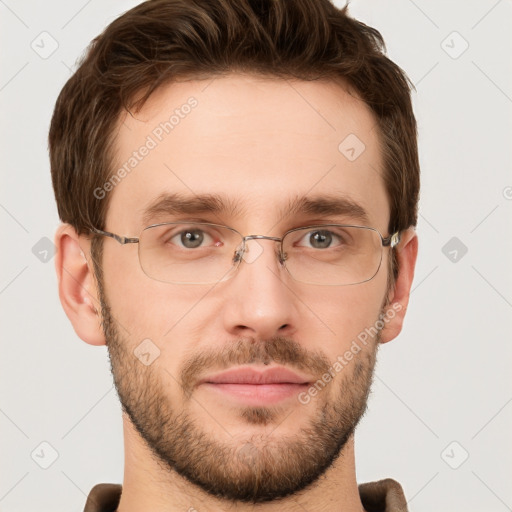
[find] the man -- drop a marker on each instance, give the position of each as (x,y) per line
(238,185)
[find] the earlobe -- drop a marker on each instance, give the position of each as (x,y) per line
(77,286)
(398,299)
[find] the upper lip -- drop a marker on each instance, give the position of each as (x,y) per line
(276,375)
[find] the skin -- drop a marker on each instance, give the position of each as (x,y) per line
(261,141)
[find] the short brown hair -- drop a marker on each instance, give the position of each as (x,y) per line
(160,41)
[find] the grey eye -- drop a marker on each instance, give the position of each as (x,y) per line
(191,238)
(320,239)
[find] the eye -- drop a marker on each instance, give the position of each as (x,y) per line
(321,239)
(191,238)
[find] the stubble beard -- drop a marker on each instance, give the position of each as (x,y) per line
(260,467)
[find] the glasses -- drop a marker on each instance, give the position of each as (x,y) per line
(204,253)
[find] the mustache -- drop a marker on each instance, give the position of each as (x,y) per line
(281,350)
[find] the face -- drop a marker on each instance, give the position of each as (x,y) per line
(258,145)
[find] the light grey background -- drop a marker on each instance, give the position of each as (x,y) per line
(442,389)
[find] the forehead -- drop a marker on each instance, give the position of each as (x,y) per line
(259,143)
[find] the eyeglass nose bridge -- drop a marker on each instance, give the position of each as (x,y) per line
(241,251)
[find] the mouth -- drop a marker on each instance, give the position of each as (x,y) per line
(256,387)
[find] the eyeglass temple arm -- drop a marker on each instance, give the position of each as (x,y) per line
(121,239)
(391,240)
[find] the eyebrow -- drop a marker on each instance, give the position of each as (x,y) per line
(324,205)
(179,204)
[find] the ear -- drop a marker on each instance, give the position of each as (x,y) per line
(398,297)
(77,286)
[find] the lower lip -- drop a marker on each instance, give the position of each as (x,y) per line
(258,394)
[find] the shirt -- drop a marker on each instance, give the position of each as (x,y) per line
(381,496)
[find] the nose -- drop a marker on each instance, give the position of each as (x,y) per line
(259,301)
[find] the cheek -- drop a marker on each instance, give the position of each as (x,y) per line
(347,313)
(145,308)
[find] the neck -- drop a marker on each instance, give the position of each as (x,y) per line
(148,484)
